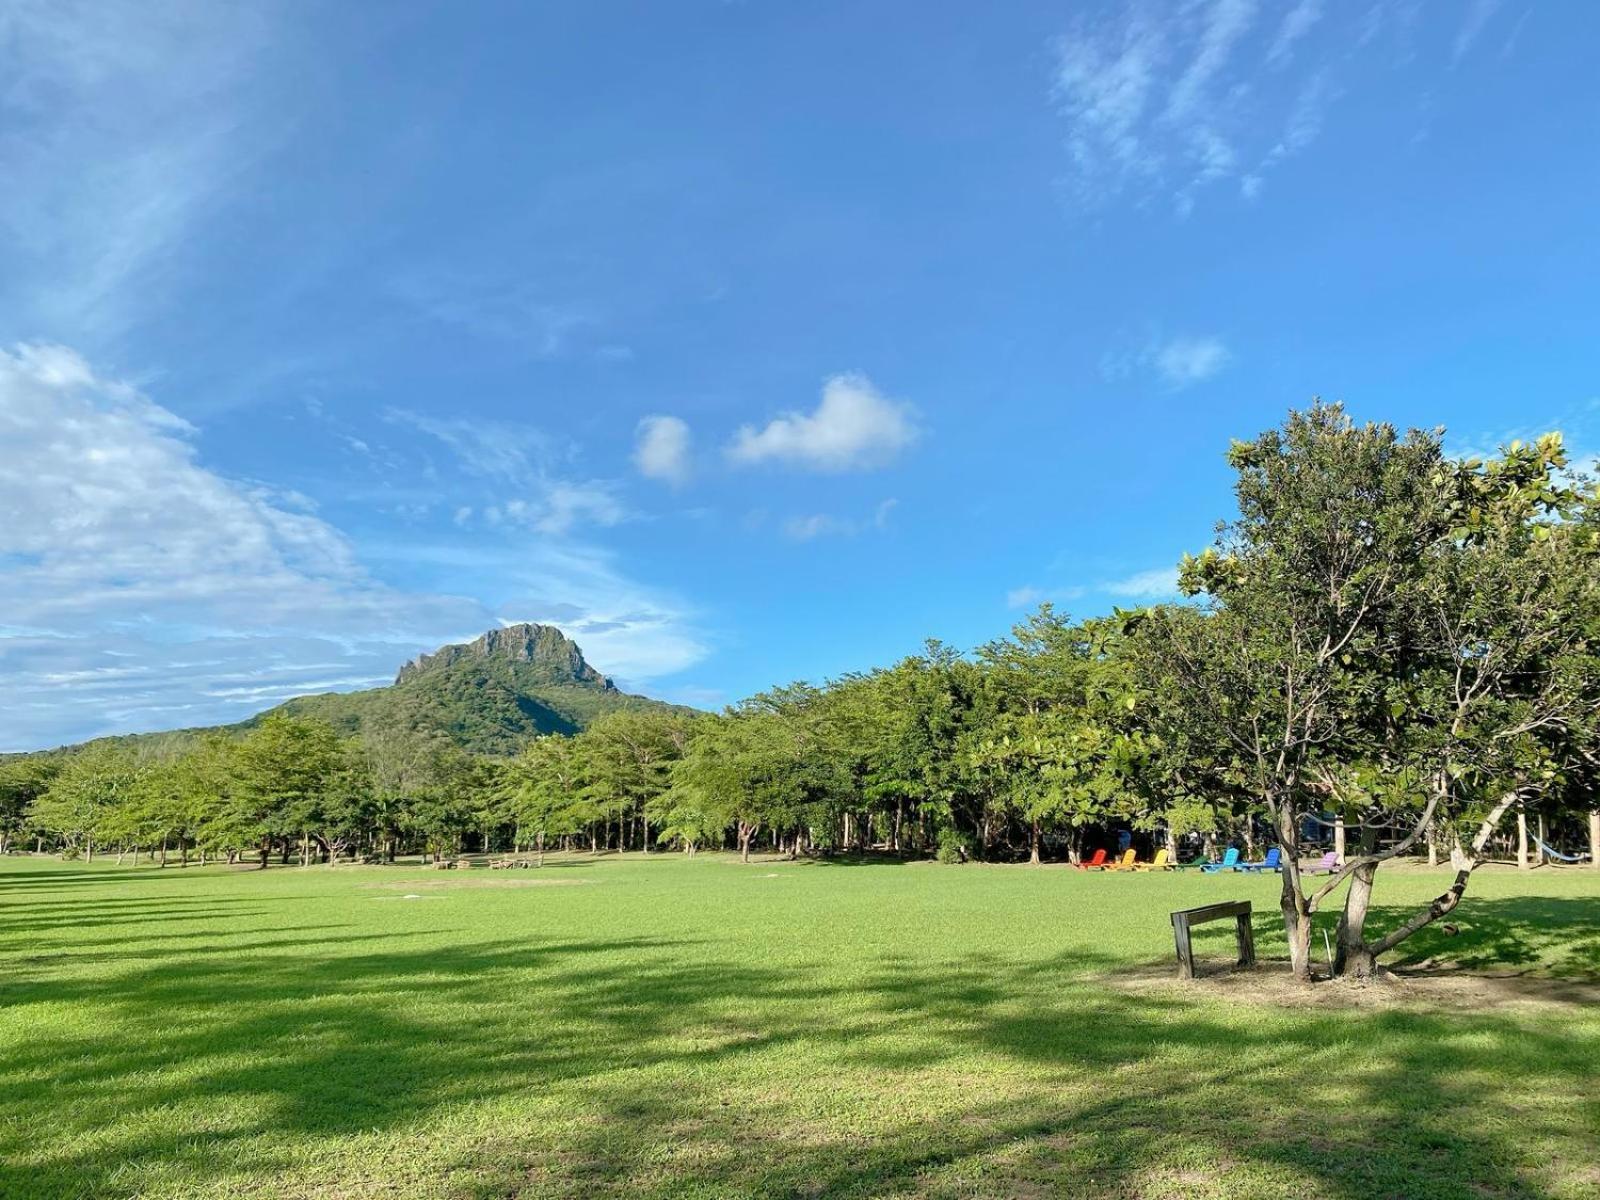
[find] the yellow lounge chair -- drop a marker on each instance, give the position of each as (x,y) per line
(1125,863)
(1161,862)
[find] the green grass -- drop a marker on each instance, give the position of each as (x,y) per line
(679,1027)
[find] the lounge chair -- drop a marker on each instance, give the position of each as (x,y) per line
(1328,865)
(1161,862)
(1125,863)
(1199,860)
(1272,862)
(1230,860)
(1097,863)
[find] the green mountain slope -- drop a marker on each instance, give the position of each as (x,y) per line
(489,695)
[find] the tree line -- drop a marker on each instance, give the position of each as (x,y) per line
(1385,635)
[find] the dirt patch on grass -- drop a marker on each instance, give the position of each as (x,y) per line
(451,883)
(1432,988)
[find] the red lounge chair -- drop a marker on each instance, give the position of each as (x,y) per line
(1097,863)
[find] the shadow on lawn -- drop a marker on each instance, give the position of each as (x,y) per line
(682,1069)
(1559,935)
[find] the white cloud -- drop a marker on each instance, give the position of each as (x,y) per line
(117,541)
(142,590)
(1178,361)
(855,427)
(497,306)
(125,126)
(1186,360)
(523,458)
(661,449)
(807,528)
(1164,101)
(1221,25)
(1156,584)
(491,449)
(1024,597)
(1479,14)
(1297,22)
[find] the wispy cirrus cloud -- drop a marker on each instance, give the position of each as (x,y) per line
(1163,101)
(1296,24)
(124,127)
(816,525)
(523,469)
(1478,15)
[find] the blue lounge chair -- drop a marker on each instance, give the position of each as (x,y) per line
(1273,862)
(1230,860)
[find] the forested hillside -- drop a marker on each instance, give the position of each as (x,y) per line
(488,696)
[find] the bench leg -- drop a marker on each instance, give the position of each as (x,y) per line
(1247,943)
(1180,935)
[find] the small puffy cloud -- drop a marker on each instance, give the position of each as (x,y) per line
(1178,362)
(855,427)
(1187,360)
(661,449)
(1024,597)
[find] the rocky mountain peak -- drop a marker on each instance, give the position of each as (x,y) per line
(553,656)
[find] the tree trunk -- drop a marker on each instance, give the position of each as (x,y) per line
(1433,847)
(1594,840)
(1296,908)
(899,817)
(1033,851)
(1446,902)
(1353,956)
(163,852)
(1522,839)
(1338,837)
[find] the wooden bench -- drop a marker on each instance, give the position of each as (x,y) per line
(1186,918)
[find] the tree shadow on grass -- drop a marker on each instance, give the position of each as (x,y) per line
(653,1067)
(1558,936)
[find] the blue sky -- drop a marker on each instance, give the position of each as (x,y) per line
(745,341)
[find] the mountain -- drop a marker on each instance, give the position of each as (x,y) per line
(489,695)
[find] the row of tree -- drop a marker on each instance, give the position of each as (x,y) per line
(1385,635)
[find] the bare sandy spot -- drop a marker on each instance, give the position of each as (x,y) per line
(1437,988)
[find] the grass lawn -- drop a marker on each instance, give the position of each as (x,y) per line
(694,1027)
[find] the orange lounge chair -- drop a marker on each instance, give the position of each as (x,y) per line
(1161,862)
(1125,863)
(1097,863)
